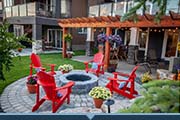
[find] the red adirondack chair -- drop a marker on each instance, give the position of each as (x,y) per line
(98,64)
(123,84)
(57,95)
(36,64)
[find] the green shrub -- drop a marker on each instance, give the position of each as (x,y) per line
(158,96)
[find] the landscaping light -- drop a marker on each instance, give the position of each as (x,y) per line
(109,102)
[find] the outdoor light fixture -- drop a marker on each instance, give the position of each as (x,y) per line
(109,102)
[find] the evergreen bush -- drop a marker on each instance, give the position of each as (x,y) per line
(159,96)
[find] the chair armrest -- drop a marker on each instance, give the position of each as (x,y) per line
(52,65)
(100,64)
(121,74)
(68,85)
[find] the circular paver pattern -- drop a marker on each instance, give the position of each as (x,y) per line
(16,99)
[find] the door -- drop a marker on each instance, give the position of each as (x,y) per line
(54,38)
(170,44)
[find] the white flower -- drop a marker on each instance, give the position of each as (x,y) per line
(65,67)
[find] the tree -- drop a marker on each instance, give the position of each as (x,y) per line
(8,43)
(142,4)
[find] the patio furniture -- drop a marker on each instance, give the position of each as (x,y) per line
(97,64)
(36,64)
(123,83)
(57,95)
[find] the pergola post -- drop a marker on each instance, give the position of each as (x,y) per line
(64,43)
(107,48)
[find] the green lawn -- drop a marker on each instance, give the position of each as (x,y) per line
(21,66)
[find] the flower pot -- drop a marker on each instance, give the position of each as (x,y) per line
(19,49)
(69,55)
(98,102)
(101,48)
(178,74)
(63,72)
(31,88)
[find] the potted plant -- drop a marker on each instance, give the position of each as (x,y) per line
(65,68)
(115,41)
(101,40)
(146,77)
(112,65)
(99,94)
(19,49)
(177,67)
(31,84)
(68,38)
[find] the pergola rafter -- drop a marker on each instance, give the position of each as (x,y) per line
(114,21)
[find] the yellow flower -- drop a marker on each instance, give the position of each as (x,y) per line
(100,92)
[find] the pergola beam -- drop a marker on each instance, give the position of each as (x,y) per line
(110,21)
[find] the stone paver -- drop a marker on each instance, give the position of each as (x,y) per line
(16,99)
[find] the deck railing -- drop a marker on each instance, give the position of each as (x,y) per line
(29,9)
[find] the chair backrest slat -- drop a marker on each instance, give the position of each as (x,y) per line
(47,82)
(98,57)
(35,60)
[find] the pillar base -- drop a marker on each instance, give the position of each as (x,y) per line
(89,48)
(131,54)
(37,46)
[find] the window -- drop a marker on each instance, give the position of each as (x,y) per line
(82,30)
(0,5)
(119,8)
(173,5)
(8,3)
(18,30)
(94,11)
(105,9)
(54,38)
(65,8)
(130,5)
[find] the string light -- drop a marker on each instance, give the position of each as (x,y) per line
(169,30)
(176,28)
(150,29)
(155,30)
(159,30)
(162,29)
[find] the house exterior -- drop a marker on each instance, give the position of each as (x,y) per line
(150,39)
(158,42)
(38,19)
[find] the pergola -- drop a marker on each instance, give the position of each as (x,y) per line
(110,22)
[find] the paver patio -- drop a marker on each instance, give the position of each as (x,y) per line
(16,99)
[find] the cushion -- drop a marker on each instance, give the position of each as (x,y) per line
(121,84)
(94,66)
(59,94)
(38,69)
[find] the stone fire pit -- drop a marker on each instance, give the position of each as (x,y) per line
(84,82)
